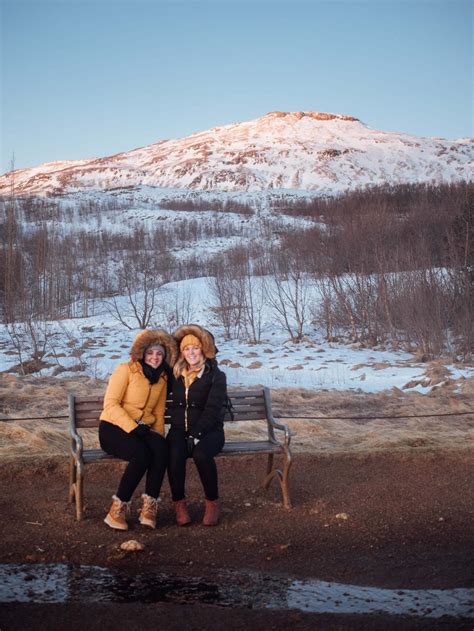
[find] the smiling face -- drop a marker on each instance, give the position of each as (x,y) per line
(153,357)
(193,355)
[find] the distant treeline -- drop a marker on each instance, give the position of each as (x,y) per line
(198,204)
(392,263)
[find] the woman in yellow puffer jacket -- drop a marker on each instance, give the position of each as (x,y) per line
(132,423)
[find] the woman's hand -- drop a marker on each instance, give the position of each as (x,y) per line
(141,429)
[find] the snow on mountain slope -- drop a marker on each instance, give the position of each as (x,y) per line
(312,151)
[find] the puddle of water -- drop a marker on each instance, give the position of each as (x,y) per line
(59,583)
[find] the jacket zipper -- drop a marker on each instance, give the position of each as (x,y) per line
(186,390)
(186,409)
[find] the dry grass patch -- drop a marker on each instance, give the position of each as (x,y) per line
(47,396)
(369,432)
(40,397)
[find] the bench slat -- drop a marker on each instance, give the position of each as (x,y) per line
(93,455)
(87,423)
(247,404)
(88,420)
(233,394)
(243,394)
(258,406)
(255,402)
(92,405)
(88,410)
(260,446)
(244,417)
(79,401)
(86,414)
(246,414)
(230,448)
(238,416)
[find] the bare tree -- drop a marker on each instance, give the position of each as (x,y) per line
(10,267)
(323,312)
(287,292)
(177,306)
(30,340)
(140,278)
(227,291)
(253,294)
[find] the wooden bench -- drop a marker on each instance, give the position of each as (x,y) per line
(251,405)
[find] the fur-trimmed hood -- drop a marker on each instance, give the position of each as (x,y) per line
(209,349)
(147,337)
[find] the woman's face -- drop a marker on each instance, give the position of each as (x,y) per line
(153,357)
(193,355)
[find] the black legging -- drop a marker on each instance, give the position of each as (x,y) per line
(144,454)
(203,456)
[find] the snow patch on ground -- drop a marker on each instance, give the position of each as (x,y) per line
(95,345)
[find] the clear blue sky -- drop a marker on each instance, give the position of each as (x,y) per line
(85,79)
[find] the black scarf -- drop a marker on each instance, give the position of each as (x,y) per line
(152,374)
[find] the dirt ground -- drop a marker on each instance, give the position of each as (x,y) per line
(401,519)
(376,502)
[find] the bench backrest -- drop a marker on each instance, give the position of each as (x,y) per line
(247,405)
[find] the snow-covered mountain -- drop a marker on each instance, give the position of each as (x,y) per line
(310,151)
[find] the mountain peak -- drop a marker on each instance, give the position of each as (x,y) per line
(320,116)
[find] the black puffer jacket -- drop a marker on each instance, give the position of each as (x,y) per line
(203,409)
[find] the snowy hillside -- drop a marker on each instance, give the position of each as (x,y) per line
(93,346)
(291,151)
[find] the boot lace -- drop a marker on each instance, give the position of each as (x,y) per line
(119,509)
(150,505)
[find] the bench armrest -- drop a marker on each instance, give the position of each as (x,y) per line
(77,445)
(273,424)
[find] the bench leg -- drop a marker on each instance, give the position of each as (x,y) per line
(271,472)
(285,478)
(282,476)
(269,467)
(72,479)
(79,495)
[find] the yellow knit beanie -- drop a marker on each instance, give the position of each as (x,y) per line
(190,340)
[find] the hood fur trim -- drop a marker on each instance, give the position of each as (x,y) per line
(157,336)
(207,341)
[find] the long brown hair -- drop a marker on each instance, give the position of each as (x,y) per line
(181,363)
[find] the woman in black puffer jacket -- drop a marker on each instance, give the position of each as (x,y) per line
(196,413)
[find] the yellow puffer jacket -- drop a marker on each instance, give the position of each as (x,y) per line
(130,396)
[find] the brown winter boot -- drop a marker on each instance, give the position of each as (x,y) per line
(182,515)
(116,516)
(211,514)
(148,511)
